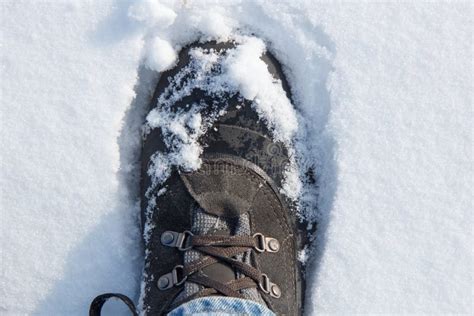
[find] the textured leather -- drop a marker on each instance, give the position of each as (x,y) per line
(242,171)
(222,187)
(233,179)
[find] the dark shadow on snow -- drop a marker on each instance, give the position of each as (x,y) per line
(110,256)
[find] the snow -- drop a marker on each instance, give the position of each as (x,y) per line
(249,74)
(151,13)
(160,55)
(384,107)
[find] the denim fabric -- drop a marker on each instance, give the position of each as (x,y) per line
(221,306)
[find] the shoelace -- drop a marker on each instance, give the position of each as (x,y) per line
(98,302)
(214,249)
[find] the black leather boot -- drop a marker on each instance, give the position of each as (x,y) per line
(223,229)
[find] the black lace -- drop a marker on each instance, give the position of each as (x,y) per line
(98,302)
(214,249)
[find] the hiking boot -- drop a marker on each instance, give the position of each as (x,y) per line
(223,229)
(214,220)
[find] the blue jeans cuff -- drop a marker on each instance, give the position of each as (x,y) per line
(221,306)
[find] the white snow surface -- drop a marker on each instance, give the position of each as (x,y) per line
(383,93)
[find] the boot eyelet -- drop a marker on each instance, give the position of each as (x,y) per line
(176,280)
(168,280)
(269,287)
(184,241)
(260,242)
(264,284)
(267,244)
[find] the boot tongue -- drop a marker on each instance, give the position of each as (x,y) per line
(204,223)
(220,271)
(208,224)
